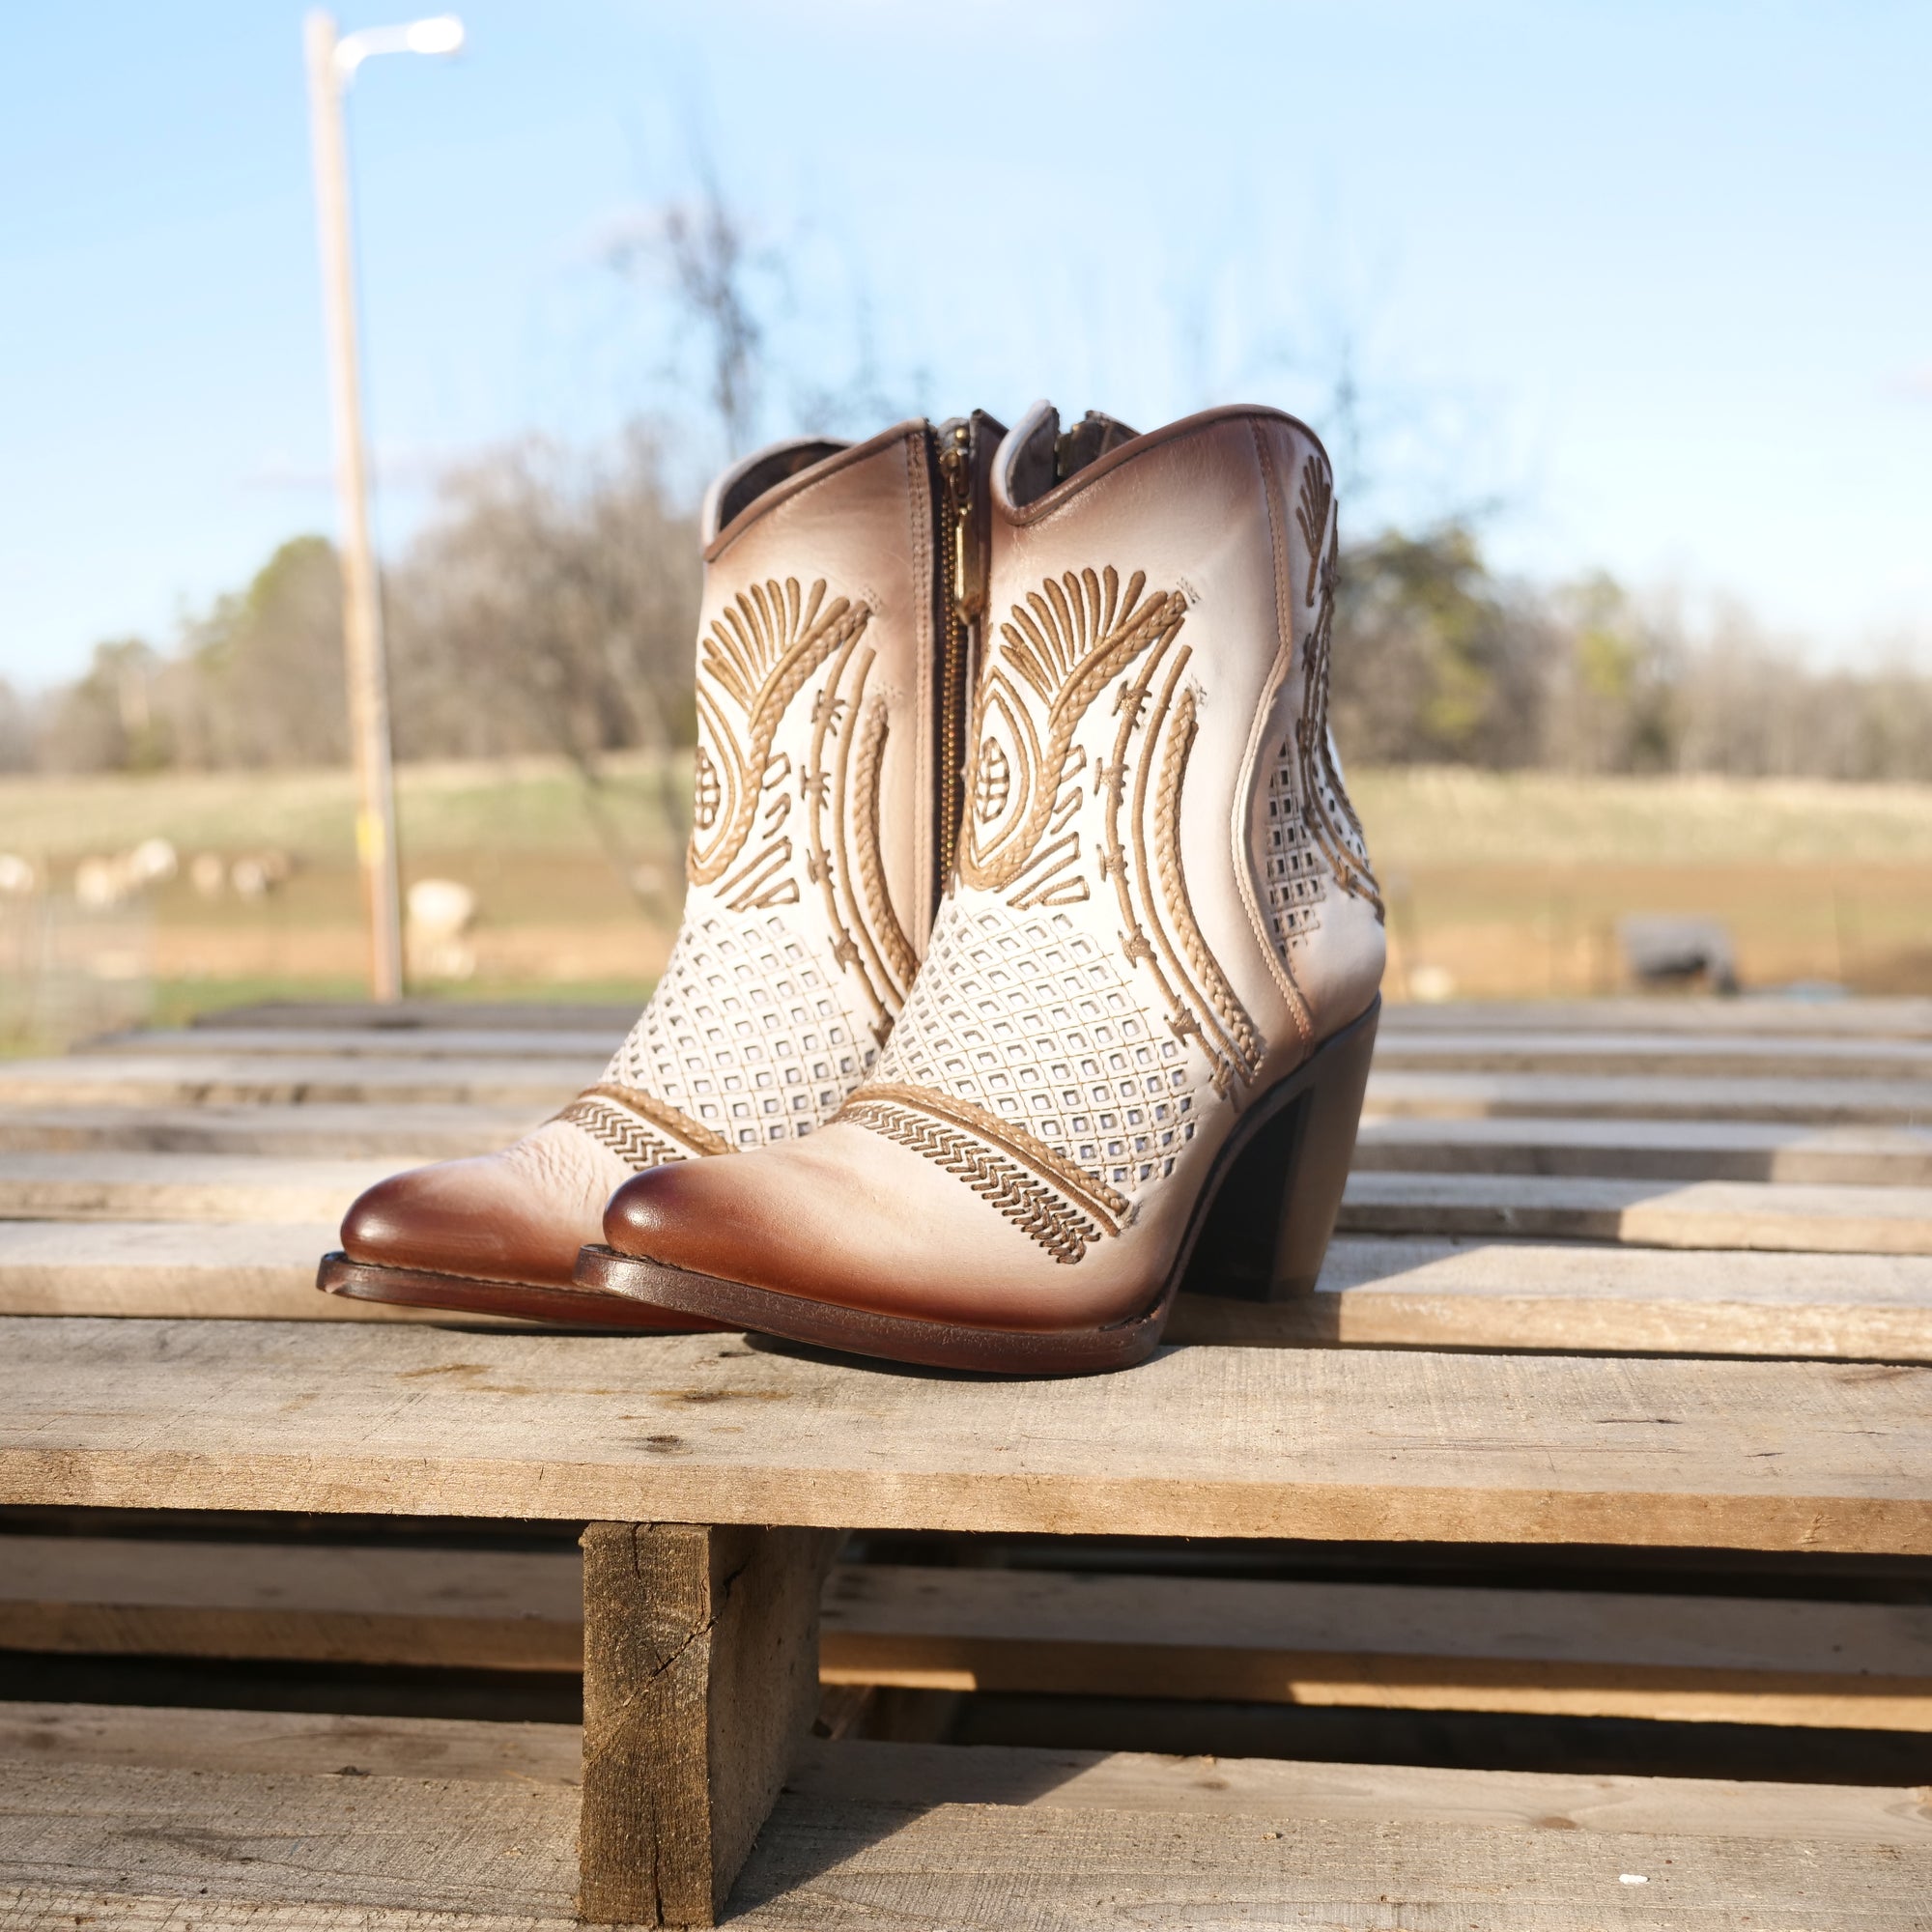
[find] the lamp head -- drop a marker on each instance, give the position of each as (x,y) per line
(440,34)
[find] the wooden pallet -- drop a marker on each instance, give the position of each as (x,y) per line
(1683,1659)
(218,1819)
(1558,1219)
(1493,1203)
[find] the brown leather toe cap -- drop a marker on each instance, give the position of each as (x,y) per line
(481,1217)
(671,1214)
(795,1218)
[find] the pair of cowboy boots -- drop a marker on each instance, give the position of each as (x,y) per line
(1031,956)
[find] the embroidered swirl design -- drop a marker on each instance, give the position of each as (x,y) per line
(1059,650)
(753,660)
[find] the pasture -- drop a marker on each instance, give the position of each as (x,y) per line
(1499,885)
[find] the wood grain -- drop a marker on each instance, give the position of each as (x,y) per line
(1198,1441)
(1421,1293)
(408,1017)
(1862,1017)
(1660,1658)
(1649,1149)
(351,1042)
(442,1608)
(293,1744)
(498,1847)
(700,1680)
(106,1185)
(1402,1291)
(319,1129)
(1678,1054)
(900,1865)
(188,1270)
(1403,1646)
(231,1079)
(977,1840)
(1820,1102)
(1712,1214)
(290,1744)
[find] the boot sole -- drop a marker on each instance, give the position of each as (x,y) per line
(477,1294)
(1259,1231)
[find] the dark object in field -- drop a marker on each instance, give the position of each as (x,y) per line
(1669,952)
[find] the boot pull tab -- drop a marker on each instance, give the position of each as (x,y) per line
(1087,441)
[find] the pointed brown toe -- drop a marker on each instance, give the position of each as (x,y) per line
(481,1217)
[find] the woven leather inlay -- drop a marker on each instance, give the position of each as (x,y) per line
(748,1034)
(1030,1018)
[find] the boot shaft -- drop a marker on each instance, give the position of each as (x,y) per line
(837,646)
(835,653)
(1151,730)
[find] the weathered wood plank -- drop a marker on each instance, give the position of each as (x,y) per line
(1673,1149)
(1444,1095)
(301,1745)
(1415,1291)
(1396,1794)
(1731,1214)
(442,1609)
(497,1847)
(700,1680)
(218,1079)
(291,1743)
(892,1865)
(904,1836)
(1904,1017)
(1642,1150)
(402,1134)
(1683,1056)
(108,1186)
(1198,1441)
(1406,1646)
(118,1186)
(339,1042)
(1696,1659)
(1404,1291)
(204,1270)
(417,1015)
(1899,1018)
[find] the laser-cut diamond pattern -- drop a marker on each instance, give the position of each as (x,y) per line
(747,1032)
(1293,881)
(1031,1019)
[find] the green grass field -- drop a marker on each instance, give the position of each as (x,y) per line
(1500,885)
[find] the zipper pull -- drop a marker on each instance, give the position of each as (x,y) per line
(968,572)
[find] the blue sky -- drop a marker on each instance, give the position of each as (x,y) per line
(1655,279)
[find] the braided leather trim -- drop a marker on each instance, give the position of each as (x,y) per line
(622,1132)
(643,1113)
(1040,1213)
(1061,1206)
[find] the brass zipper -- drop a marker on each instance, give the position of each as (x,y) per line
(961,596)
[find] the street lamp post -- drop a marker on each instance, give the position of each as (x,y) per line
(333,62)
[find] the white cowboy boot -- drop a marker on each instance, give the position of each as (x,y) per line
(835,653)
(1140,1037)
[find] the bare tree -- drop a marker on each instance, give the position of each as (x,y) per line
(702,244)
(551,606)
(17,730)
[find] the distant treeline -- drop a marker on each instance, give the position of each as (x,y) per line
(549,605)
